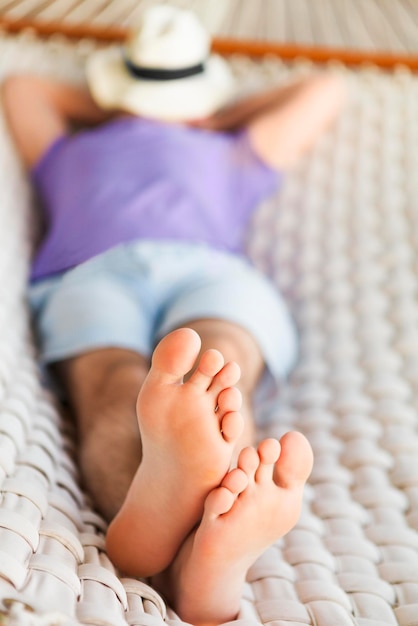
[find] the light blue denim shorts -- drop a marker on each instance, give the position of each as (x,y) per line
(133,294)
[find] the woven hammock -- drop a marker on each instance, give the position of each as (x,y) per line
(383,32)
(341,242)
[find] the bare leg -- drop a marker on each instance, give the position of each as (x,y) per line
(241,519)
(102,387)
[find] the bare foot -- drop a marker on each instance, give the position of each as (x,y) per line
(239,522)
(188,433)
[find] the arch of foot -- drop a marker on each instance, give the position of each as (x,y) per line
(346,256)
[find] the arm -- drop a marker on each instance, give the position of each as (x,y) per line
(39,110)
(284,122)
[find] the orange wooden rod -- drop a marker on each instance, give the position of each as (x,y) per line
(74,31)
(317,54)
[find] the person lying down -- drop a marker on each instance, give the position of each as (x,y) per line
(148,313)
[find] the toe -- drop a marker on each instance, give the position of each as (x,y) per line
(175,355)
(209,365)
(295,462)
(218,502)
(236,481)
(248,461)
(228,400)
(232,425)
(268,452)
(228,376)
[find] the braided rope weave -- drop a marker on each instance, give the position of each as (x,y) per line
(389,25)
(341,242)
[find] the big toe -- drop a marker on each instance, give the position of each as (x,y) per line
(295,462)
(176,355)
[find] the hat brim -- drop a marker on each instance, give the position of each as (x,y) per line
(113,87)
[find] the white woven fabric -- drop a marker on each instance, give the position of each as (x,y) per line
(341,241)
(389,25)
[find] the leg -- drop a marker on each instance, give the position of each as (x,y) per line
(241,519)
(102,387)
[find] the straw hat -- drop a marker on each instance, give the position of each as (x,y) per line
(164,71)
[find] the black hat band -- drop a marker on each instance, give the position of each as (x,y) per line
(147,73)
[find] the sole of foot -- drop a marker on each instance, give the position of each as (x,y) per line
(241,519)
(189,428)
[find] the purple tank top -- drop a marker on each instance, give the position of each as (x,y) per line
(135,178)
